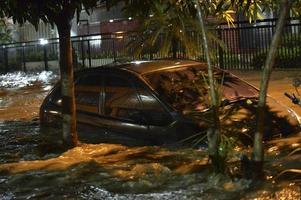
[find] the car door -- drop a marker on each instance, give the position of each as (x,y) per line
(122,109)
(162,121)
(88,96)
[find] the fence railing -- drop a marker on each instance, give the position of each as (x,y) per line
(88,51)
(245,47)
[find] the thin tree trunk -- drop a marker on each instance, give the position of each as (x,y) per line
(67,84)
(258,154)
(213,133)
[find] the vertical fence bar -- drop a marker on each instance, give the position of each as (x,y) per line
(1,60)
(83,52)
(258,48)
(290,35)
(226,56)
(240,47)
(114,50)
(230,42)
(45,57)
(286,37)
(283,53)
(236,48)
(74,57)
(264,42)
(288,40)
(24,58)
(245,47)
(220,50)
(267,40)
(5,59)
(89,54)
(233,48)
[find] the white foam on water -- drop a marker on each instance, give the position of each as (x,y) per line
(21,79)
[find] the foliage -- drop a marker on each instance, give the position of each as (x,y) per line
(48,11)
(291,40)
(293,171)
(39,56)
(282,60)
(166,24)
(253,10)
(5,32)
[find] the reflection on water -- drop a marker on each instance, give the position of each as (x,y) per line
(32,167)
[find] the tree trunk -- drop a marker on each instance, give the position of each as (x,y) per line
(258,154)
(213,133)
(67,84)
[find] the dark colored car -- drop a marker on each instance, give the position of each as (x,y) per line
(163,101)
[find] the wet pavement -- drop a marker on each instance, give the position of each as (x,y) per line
(32,167)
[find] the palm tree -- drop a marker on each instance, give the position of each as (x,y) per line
(164,26)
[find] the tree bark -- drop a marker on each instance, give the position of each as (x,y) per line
(213,133)
(258,154)
(67,83)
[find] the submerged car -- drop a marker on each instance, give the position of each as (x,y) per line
(163,101)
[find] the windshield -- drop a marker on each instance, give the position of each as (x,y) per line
(186,88)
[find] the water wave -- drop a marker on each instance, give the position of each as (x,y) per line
(22,79)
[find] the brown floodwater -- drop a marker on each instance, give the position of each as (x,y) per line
(32,167)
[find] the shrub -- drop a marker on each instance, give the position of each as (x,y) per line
(286,57)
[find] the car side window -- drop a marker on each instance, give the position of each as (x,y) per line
(121,99)
(87,93)
(154,111)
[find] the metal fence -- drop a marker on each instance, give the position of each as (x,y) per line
(88,51)
(244,47)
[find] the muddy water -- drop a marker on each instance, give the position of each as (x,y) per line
(21,94)
(34,168)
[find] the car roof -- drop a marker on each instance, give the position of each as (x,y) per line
(145,67)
